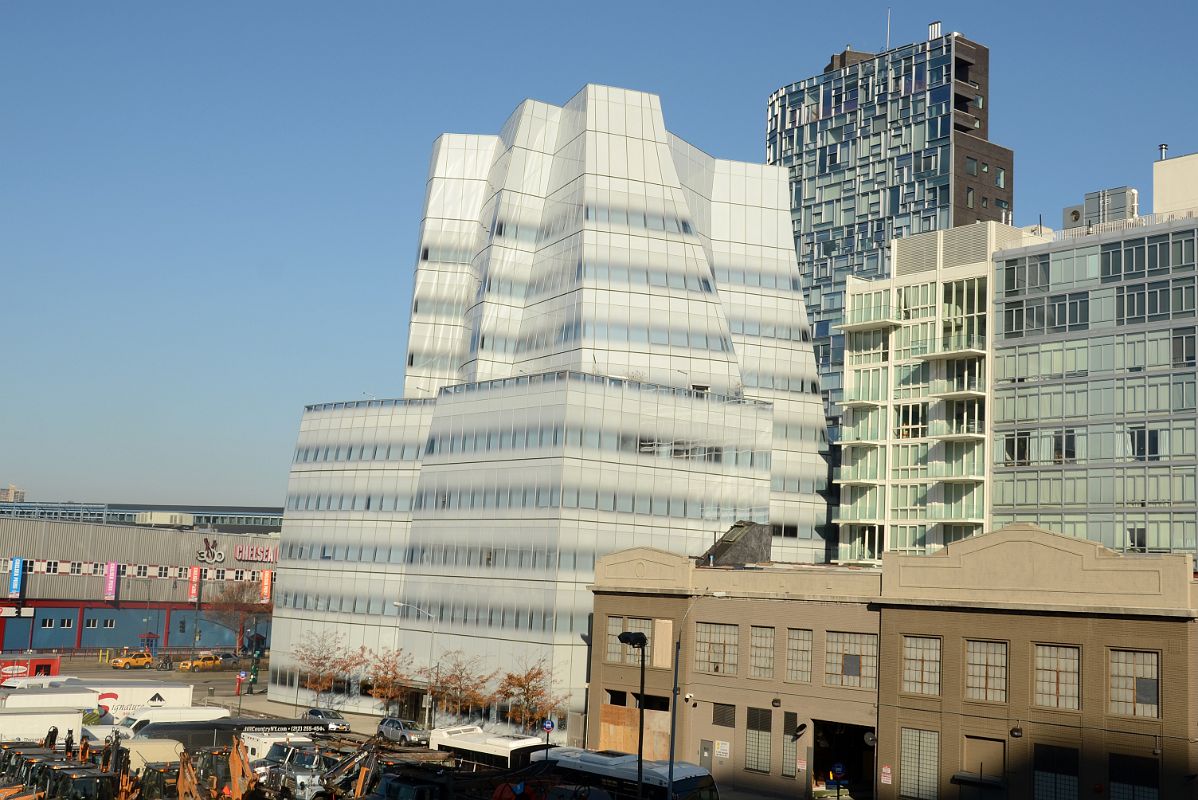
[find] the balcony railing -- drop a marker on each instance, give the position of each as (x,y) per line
(967,428)
(853,513)
(971,384)
(856,475)
(860,433)
(867,317)
(865,394)
(955,513)
(956,471)
(947,346)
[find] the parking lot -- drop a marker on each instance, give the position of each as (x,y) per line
(216,688)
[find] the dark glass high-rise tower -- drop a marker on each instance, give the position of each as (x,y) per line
(880,146)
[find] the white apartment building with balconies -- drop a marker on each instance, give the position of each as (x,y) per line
(915,470)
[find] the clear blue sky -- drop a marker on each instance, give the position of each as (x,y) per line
(208,211)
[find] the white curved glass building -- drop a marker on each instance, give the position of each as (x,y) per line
(608,348)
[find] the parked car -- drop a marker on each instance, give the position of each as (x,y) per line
(139,660)
(228,660)
(205,662)
(333,718)
(404,731)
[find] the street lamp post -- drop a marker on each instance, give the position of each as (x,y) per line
(431,711)
(637,641)
(674,692)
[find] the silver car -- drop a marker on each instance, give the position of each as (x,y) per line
(333,719)
(404,731)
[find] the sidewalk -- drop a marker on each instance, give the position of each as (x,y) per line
(257,704)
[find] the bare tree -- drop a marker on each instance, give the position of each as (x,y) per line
(459,682)
(389,673)
(323,659)
(238,603)
(529,694)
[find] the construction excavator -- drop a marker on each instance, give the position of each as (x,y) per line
(218,773)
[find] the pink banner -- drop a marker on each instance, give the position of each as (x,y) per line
(193,584)
(111,574)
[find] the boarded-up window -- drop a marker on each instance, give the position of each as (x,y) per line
(984,757)
(723,714)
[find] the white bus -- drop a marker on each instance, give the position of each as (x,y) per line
(473,746)
(605,775)
(608,774)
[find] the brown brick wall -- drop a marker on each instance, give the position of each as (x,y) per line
(1091,729)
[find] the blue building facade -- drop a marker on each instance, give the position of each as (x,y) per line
(81,586)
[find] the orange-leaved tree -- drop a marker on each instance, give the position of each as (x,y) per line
(323,658)
(460,683)
(389,673)
(528,692)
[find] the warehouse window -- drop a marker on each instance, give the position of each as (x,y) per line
(76,567)
(143,571)
(1054,772)
(986,671)
(164,572)
(1134,683)
(66,622)
(757,740)
(921,665)
(89,623)
(761,652)
(790,744)
(716,648)
(51,567)
(47,623)
(1134,777)
(110,623)
(851,659)
(919,764)
(1057,676)
(798,655)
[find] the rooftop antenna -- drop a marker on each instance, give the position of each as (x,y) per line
(887,27)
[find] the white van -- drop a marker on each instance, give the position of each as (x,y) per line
(257,745)
(130,725)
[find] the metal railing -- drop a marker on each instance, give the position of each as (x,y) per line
(971,383)
(941,345)
(867,314)
(1146,221)
(860,433)
(953,513)
(841,474)
(863,394)
(958,427)
(851,513)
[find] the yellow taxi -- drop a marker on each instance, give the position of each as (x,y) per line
(203,662)
(139,660)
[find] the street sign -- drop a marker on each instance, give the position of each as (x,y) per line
(887,776)
(547,726)
(838,770)
(241,675)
